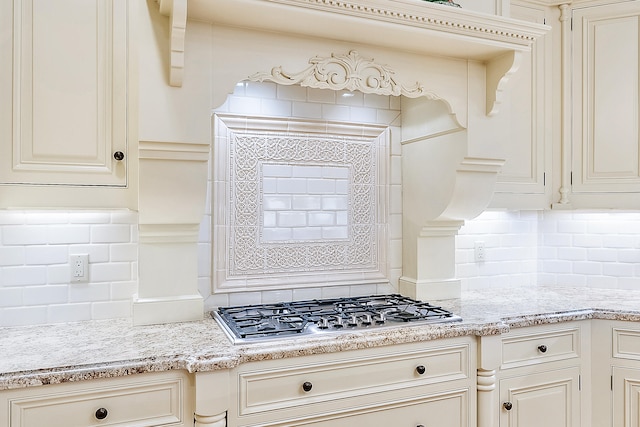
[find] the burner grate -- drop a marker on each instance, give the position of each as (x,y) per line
(252,322)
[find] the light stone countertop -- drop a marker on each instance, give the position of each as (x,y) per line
(48,354)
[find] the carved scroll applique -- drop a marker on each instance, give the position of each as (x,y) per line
(346,72)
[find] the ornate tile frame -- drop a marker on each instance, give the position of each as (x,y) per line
(242,144)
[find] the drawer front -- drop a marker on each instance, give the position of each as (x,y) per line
(449,410)
(267,390)
(542,347)
(626,344)
(135,404)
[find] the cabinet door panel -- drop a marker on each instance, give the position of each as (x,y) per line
(68,103)
(606,63)
(626,397)
(549,399)
(521,181)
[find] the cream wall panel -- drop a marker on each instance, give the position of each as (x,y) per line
(168,113)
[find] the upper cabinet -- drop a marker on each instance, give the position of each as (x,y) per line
(605,155)
(574,110)
(522,182)
(64,97)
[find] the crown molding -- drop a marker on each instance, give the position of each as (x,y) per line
(409,25)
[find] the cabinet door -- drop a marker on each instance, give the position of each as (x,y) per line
(626,397)
(549,399)
(63,90)
(521,182)
(606,148)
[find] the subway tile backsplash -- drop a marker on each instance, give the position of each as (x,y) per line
(591,249)
(35,283)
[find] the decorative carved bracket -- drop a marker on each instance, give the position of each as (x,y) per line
(346,72)
(499,72)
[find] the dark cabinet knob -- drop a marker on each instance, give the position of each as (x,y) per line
(307,386)
(507,405)
(542,348)
(421,369)
(118,155)
(101,413)
(419,425)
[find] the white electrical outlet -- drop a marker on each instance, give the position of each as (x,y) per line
(79,268)
(479,251)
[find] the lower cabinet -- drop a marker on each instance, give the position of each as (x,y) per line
(626,396)
(550,399)
(145,400)
(418,384)
(616,373)
(533,376)
(443,410)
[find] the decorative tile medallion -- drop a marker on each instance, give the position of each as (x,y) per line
(300,203)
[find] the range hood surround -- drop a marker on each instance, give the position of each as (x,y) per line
(460,60)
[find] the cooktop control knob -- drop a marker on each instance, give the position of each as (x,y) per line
(353,320)
(324,323)
(367,319)
(381,318)
(338,322)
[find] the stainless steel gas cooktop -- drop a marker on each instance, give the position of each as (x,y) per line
(249,323)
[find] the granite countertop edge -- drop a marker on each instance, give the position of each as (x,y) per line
(187,346)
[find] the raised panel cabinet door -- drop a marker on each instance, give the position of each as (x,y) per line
(63,87)
(626,397)
(524,147)
(606,148)
(549,399)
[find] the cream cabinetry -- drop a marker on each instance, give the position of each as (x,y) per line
(537,378)
(65,98)
(616,374)
(549,398)
(408,385)
(601,144)
(523,180)
(163,399)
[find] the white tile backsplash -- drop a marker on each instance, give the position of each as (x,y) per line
(35,283)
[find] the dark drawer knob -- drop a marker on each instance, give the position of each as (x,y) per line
(421,369)
(307,386)
(101,413)
(118,155)
(507,405)
(542,348)
(419,425)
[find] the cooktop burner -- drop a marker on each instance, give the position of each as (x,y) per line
(249,323)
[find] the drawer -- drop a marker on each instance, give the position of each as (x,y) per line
(141,403)
(281,388)
(450,410)
(533,348)
(626,344)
